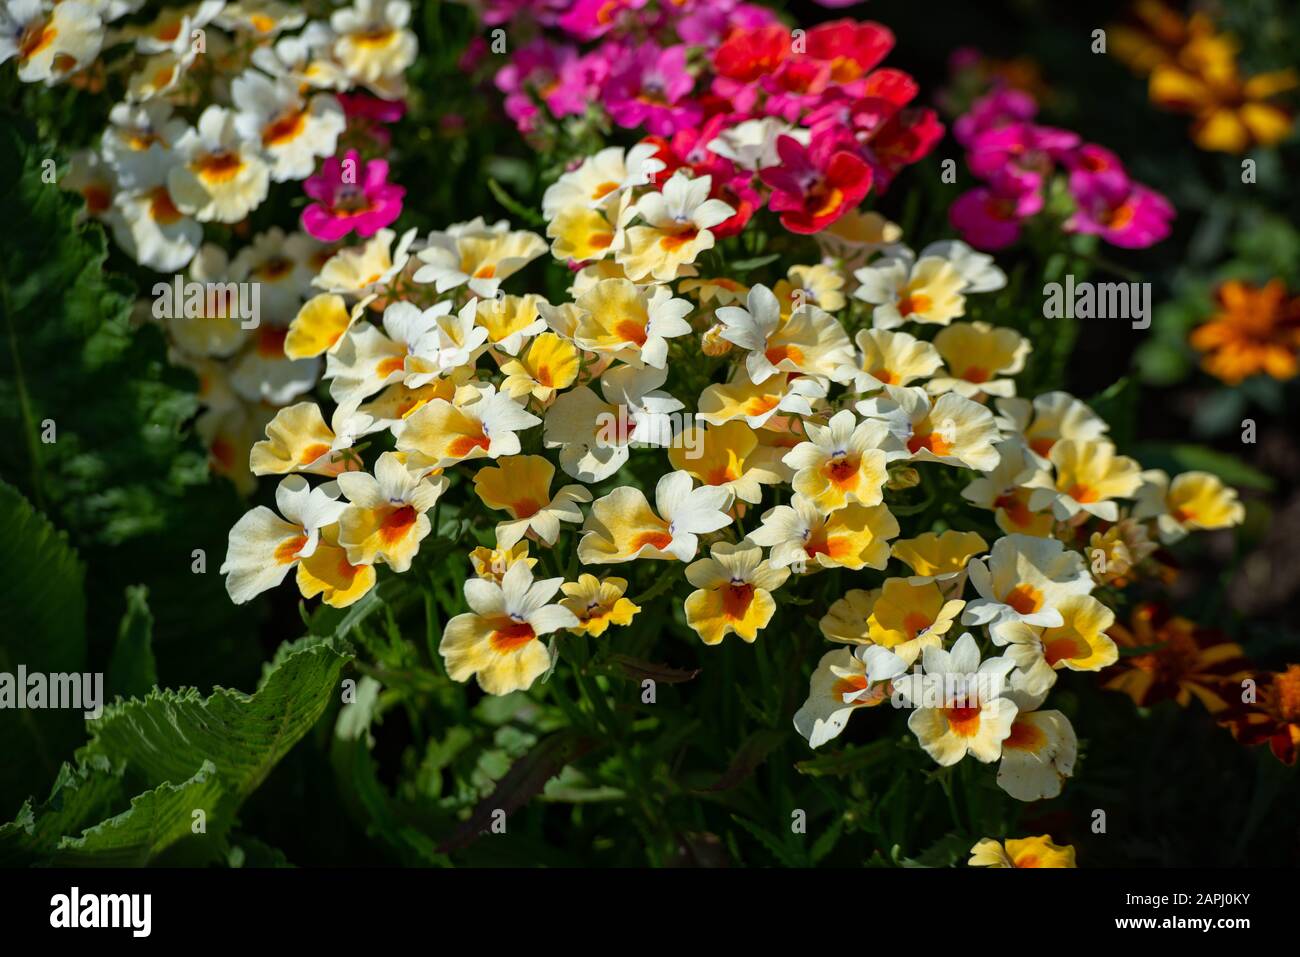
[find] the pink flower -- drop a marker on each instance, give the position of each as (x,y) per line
(815,185)
(993,111)
(366,205)
(369,115)
(1128,215)
(650,88)
(1019,149)
(589,19)
(990,217)
(1092,162)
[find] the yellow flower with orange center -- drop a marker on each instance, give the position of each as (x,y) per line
(978,358)
(726,456)
(386,519)
(521,486)
(1088,477)
(801,535)
(1193,501)
(733,594)
(908,618)
(842,462)
(549,365)
(1021,852)
(939,556)
(597,604)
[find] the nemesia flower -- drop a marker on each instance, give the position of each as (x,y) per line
(649,87)
(479,422)
(521,486)
(281,266)
(1003,491)
(320,325)
(373,46)
(629,321)
(263,546)
(676,230)
(846,679)
(1048,418)
(510,321)
(328,573)
(841,462)
(799,534)
(493,563)
(1193,501)
(549,365)
(892,358)
(815,185)
(733,594)
(152,229)
(938,557)
(958,704)
(139,142)
(219,176)
(386,519)
(298,440)
(1025,579)
(1039,753)
(929,291)
(622,526)
(478,255)
(1079,643)
(1130,216)
(293,131)
(366,360)
(975,354)
(47,41)
(948,429)
(598,603)
(358,270)
(601,179)
(497,640)
(908,618)
(1089,476)
(809,340)
(364,202)
(1021,852)
(728,456)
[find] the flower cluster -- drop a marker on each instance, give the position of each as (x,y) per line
(222,100)
(1254,329)
(804,123)
(1192,68)
(823,398)
(1018,161)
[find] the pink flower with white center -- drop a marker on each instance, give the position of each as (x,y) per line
(350,196)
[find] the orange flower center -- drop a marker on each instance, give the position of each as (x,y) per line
(397,523)
(509,636)
(963,721)
(462,445)
(1025,599)
(674,242)
(914,302)
(1024,737)
(287,551)
(931,441)
(736,599)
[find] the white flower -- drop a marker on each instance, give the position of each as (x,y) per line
(221,176)
(846,679)
(293,132)
(1025,579)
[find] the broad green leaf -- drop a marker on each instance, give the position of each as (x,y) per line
(131,671)
(80,796)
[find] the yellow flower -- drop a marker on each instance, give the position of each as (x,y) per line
(399,401)
(720,290)
(497,640)
(583,234)
(478,423)
(800,535)
(846,679)
(548,365)
(908,618)
(1193,501)
(1022,852)
(1232,113)
(328,573)
(677,228)
(734,592)
(975,354)
(938,557)
(298,440)
(1025,579)
(727,456)
(928,291)
(357,270)
(622,526)
(598,604)
(949,429)
(842,462)
(630,322)
(1079,643)
(477,255)
(521,485)
(807,340)
(1051,416)
(1002,491)
(820,285)
(1089,476)
(510,320)
(892,358)
(847,619)
(386,520)
(321,324)
(757,403)
(492,563)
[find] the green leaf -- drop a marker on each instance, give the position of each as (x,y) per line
(131,671)
(524,213)
(157,821)
(847,761)
(80,796)
(41,581)
(753,752)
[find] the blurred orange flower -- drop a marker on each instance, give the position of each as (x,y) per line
(1179,660)
(1273,717)
(1257,329)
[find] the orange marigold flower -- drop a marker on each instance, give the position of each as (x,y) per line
(1257,329)
(1273,717)
(1178,660)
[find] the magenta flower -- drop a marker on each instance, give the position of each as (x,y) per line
(993,111)
(990,217)
(1129,215)
(589,19)
(650,88)
(365,205)
(1019,149)
(815,185)
(370,115)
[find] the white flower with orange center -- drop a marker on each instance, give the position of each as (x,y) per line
(801,535)
(907,618)
(281,265)
(733,593)
(1088,477)
(478,255)
(1023,852)
(1079,643)
(549,365)
(263,546)
(726,456)
(366,359)
(948,428)
(386,519)
(977,358)
(784,394)
(221,177)
(959,703)
(622,526)
(293,131)
(676,230)
(328,573)
(321,324)
(1004,493)
(928,291)
(842,462)
(298,440)
(398,401)
(305,59)
(510,321)
(579,233)
(479,422)
(821,286)
(364,269)
(629,322)
(941,557)
(374,45)
(152,229)
(172,29)
(808,341)
(498,639)
(594,433)
(1049,417)
(521,486)
(892,358)
(1193,501)
(598,603)
(461,339)
(48,44)
(139,140)
(601,180)
(262,18)
(1025,579)
(1039,753)
(846,679)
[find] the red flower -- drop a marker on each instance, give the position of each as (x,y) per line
(851,48)
(814,186)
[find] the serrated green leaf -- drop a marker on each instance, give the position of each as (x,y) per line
(80,796)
